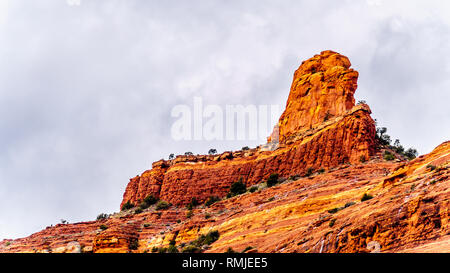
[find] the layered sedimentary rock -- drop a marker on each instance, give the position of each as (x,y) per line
(324,150)
(320,128)
(324,212)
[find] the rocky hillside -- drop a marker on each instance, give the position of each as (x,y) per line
(322,183)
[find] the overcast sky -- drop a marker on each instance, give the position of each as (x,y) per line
(86,91)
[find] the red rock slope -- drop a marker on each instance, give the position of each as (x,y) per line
(320,128)
(406,208)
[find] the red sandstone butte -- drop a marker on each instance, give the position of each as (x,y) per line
(320,128)
(323,134)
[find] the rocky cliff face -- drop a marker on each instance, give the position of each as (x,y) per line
(336,193)
(320,128)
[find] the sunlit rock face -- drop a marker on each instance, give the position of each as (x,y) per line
(327,157)
(320,128)
(322,88)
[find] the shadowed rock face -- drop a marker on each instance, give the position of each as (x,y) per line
(407,210)
(320,128)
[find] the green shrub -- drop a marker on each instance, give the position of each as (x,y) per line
(148,201)
(133,245)
(388,156)
(272,180)
(366,197)
(411,153)
(189,214)
(172,249)
(334,210)
(348,204)
(191,249)
(253,189)
(246,148)
(207,239)
(162,205)
(230,250)
(192,204)
(102,216)
(332,221)
(127,206)
(247,249)
(155,249)
(321,170)
(211,200)
(162,250)
(362,159)
(103,227)
(207,216)
(138,210)
(238,188)
(309,172)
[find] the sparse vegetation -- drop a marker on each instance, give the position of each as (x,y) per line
(247,249)
(431,167)
(138,210)
(362,159)
(332,221)
(237,188)
(188,153)
(103,227)
(133,245)
(212,151)
(321,170)
(189,214)
(191,249)
(172,249)
(192,204)
(148,201)
(127,206)
(202,240)
(230,250)
(102,216)
(334,210)
(348,204)
(385,140)
(207,239)
(411,153)
(388,156)
(211,200)
(272,180)
(327,116)
(246,148)
(162,205)
(309,172)
(171,156)
(253,189)
(366,197)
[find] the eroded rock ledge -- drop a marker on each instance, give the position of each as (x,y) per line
(320,128)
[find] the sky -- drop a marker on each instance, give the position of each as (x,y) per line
(87,86)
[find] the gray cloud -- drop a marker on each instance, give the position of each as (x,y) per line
(86,91)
